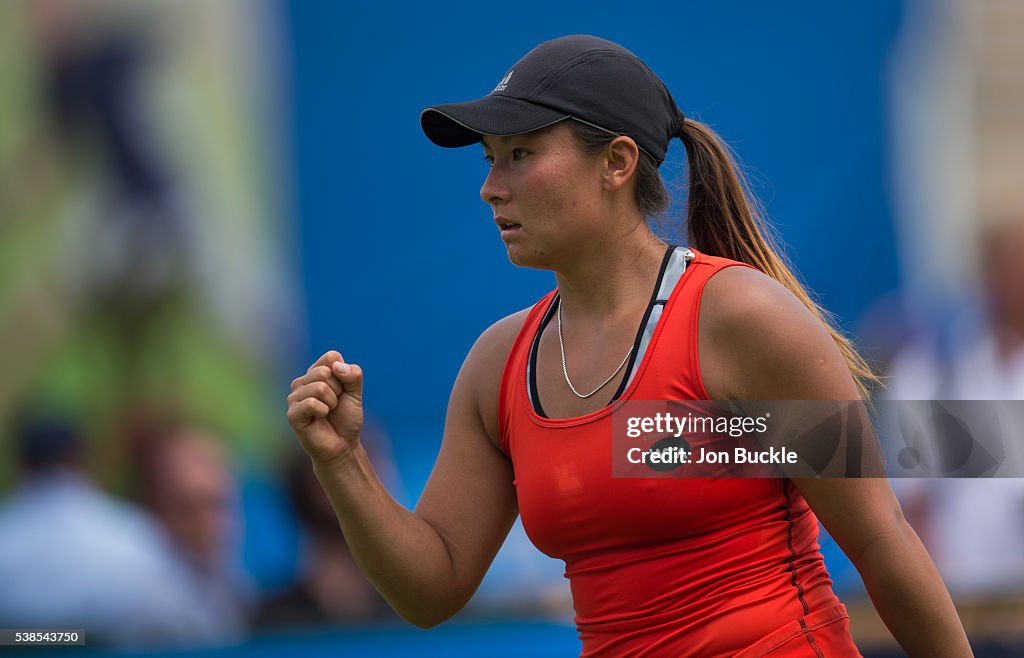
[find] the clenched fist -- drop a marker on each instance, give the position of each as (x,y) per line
(325,408)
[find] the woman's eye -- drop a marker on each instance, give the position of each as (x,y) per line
(517,154)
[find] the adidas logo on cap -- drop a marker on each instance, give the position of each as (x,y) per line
(504,82)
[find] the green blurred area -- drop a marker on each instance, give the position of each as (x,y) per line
(190,360)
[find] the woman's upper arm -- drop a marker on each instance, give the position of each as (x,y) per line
(469,498)
(757,341)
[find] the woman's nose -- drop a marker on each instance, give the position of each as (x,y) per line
(493,190)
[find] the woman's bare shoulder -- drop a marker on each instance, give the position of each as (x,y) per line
(738,299)
(757,340)
(495,343)
(484,365)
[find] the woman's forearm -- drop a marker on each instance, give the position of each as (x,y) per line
(910,597)
(401,554)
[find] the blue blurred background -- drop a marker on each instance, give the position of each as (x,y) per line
(199,199)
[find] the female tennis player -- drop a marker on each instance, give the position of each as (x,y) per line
(574,134)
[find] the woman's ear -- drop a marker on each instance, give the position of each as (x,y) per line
(621,156)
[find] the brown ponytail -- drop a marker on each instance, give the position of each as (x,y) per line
(723,219)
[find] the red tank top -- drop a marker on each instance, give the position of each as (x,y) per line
(667,567)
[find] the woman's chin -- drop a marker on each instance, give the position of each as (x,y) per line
(521,257)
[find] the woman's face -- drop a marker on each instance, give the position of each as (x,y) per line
(546,195)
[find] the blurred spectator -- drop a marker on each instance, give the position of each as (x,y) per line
(73,557)
(185,481)
(974,528)
(330,589)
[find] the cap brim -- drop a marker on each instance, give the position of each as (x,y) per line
(462,124)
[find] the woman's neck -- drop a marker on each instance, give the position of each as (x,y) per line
(614,280)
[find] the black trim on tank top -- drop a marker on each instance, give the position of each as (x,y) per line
(808,633)
(535,346)
(643,324)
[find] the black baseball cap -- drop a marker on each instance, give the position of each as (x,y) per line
(581,77)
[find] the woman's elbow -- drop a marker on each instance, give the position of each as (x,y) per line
(425,623)
(896,538)
(429,616)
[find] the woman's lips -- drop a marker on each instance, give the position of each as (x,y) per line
(508,227)
(508,232)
